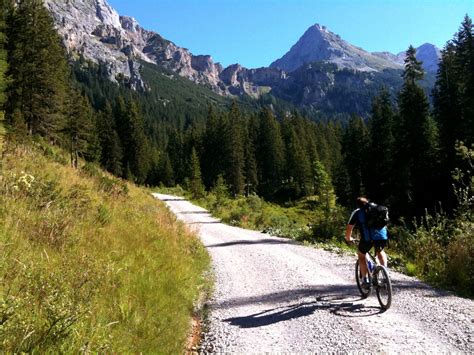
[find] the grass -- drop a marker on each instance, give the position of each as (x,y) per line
(89,263)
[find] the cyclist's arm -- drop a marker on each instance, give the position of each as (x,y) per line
(349,229)
(350,225)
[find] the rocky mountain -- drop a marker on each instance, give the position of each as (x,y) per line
(320,44)
(93,30)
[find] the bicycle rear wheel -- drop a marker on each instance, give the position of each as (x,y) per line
(364,290)
(383,287)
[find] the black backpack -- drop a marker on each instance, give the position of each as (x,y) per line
(376,215)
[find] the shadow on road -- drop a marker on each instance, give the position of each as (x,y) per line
(172,199)
(291,295)
(344,306)
(252,242)
(340,300)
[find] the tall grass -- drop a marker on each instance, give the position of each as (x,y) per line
(89,263)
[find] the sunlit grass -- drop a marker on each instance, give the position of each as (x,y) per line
(89,262)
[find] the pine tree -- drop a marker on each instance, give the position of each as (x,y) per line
(38,70)
(175,151)
(196,185)
(166,174)
(464,42)
(134,143)
(79,129)
(213,147)
(111,152)
(297,163)
(356,143)
(251,133)
(416,157)
(137,153)
(271,157)
(3,55)
(235,150)
(323,187)
(454,102)
(381,146)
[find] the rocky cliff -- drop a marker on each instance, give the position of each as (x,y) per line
(94,30)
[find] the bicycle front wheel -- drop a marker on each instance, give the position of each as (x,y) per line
(383,287)
(364,290)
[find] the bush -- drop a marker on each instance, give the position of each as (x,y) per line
(460,261)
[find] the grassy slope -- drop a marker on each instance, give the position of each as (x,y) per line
(88,262)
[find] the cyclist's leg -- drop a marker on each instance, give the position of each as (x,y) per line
(379,250)
(363,249)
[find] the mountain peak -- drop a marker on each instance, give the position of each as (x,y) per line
(318,43)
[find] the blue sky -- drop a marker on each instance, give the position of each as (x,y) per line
(254,33)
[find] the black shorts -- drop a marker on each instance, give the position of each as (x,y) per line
(365,246)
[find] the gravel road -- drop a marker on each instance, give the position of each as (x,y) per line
(273,295)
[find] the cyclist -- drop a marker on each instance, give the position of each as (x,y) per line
(369,237)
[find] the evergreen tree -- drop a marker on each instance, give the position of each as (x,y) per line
(235,149)
(454,102)
(166,174)
(356,143)
(137,153)
(297,163)
(416,157)
(3,55)
(111,152)
(196,185)
(271,157)
(134,143)
(381,146)
(413,68)
(175,151)
(79,130)
(250,138)
(323,187)
(38,70)
(464,41)
(214,147)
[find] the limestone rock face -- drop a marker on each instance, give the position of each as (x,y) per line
(94,30)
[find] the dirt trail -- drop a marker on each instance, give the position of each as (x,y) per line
(273,295)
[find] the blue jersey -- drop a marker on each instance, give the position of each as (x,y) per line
(358,219)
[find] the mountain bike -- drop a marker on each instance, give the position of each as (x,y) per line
(378,280)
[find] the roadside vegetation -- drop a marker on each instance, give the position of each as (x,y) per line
(88,262)
(437,248)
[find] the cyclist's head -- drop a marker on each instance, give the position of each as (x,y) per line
(361,201)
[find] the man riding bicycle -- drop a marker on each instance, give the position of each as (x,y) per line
(369,237)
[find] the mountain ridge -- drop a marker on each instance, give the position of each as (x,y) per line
(94,30)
